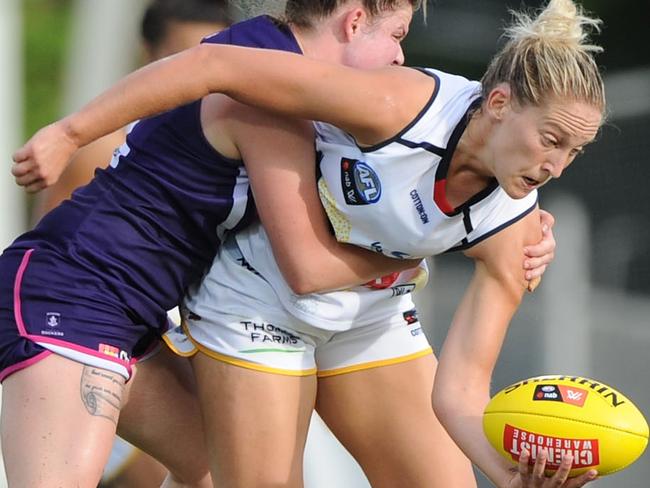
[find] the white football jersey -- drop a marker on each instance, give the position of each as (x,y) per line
(390,198)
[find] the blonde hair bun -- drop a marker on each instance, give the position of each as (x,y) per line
(562,21)
(549,55)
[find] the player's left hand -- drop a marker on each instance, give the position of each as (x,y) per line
(538,256)
(533,476)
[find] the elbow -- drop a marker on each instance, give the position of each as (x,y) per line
(301,282)
(446,395)
(299,272)
(443,405)
(302,287)
(306,283)
(308,275)
(452,397)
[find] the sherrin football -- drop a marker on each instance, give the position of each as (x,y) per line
(598,425)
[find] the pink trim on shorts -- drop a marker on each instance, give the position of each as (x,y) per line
(82,349)
(18,315)
(23,364)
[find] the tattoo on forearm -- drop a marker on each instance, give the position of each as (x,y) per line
(101,392)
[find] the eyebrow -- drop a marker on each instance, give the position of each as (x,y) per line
(565,134)
(558,127)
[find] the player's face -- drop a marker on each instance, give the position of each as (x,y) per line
(181,35)
(378,42)
(532,144)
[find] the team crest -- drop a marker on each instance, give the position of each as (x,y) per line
(52,319)
(360,183)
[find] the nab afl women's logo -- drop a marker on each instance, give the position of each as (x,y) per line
(361,185)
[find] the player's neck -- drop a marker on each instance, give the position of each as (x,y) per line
(319,43)
(468,172)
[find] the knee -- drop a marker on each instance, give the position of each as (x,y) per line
(197,480)
(194,474)
(269,478)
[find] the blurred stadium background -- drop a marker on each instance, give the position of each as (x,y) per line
(590,316)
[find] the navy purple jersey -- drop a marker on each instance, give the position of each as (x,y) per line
(149,224)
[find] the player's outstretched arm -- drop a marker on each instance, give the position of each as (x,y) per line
(470,352)
(472,346)
(372,105)
(150,90)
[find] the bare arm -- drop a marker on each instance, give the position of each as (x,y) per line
(372,105)
(280,161)
(471,349)
(474,341)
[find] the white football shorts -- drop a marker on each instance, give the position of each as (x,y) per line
(235,316)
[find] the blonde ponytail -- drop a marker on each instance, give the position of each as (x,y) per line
(549,55)
(562,22)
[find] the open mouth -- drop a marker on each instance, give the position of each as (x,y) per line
(530,182)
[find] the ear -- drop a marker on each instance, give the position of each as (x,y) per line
(353,21)
(499,101)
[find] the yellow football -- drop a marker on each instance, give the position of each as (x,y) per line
(600,427)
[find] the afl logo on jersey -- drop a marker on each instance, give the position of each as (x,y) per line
(360,184)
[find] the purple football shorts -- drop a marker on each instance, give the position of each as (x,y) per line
(49,304)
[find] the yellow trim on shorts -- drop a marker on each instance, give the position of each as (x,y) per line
(374,364)
(170,345)
(245,364)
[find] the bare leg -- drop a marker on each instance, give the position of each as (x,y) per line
(162,417)
(383,416)
(58,422)
(139,471)
(256,424)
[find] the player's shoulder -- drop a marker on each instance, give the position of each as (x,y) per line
(258,32)
(452,87)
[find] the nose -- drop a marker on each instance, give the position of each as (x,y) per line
(399,59)
(556,170)
(556,164)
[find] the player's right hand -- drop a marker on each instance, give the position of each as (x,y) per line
(40,162)
(534,477)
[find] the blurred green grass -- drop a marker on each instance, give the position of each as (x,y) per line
(46,31)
